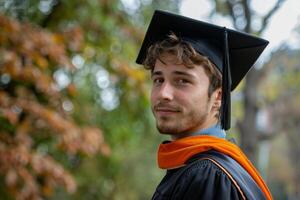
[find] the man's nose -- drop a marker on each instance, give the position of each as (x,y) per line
(166,91)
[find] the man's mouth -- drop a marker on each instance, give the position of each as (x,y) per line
(166,110)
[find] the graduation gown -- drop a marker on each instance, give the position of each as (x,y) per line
(208,168)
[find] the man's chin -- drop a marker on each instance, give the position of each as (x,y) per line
(170,130)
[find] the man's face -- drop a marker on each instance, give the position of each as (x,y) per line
(179,97)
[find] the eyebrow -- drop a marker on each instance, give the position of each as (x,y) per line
(157,73)
(182,73)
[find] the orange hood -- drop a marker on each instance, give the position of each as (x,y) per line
(176,153)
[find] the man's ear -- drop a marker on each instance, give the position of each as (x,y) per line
(217,94)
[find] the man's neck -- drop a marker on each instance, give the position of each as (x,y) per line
(194,131)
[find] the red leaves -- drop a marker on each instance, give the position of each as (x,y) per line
(29,57)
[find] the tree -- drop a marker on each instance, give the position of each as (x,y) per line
(112,91)
(35,122)
(282,101)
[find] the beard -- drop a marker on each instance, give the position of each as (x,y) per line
(182,122)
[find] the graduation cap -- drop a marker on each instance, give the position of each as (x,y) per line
(232,52)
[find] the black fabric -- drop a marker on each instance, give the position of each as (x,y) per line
(208,39)
(226,86)
(244,180)
(202,179)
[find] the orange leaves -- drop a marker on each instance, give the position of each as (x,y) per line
(135,77)
(74,38)
(10,62)
(71,90)
(24,167)
(135,74)
(10,115)
(52,118)
(11,178)
(31,104)
(36,45)
(72,138)
(53,173)
(40,61)
(94,138)
(8,26)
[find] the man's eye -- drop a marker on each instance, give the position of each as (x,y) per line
(182,81)
(158,80)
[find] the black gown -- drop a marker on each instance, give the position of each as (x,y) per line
(203,179)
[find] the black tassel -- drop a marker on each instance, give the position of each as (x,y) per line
(226,86)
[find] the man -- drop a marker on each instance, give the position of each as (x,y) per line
(194,67)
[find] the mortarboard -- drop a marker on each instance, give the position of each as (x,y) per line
(232,52)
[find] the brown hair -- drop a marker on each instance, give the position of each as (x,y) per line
(185,54)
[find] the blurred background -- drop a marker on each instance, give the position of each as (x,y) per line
(75,121)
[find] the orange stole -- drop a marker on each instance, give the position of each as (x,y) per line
(176,153)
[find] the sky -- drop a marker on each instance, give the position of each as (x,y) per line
(279,31)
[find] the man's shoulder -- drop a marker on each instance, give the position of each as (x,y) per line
(200,179)
(239,177)
(200,165)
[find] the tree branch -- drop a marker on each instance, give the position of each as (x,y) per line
(263,72)
(265,20)
(49,17)
(230,5)
(247,14)
(263,136)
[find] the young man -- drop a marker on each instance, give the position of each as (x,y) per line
(194,66)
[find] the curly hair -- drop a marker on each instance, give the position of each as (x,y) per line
(185,54)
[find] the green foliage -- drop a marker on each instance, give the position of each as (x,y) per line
(112,92)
